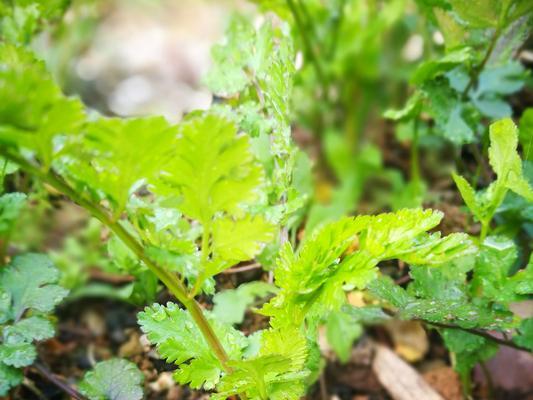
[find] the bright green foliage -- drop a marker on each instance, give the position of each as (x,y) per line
(230,305)
(468,350)
(447,296)
(266,377)
(347,253)
(179,341)
(526,134)
(525,338)
(219,198)
(203,191)
(115,159)
(114,379)
(240,240)
(505,161)
(278,371)
(28,291)
(341,331)
(20,21)
(34,114)
(257,65)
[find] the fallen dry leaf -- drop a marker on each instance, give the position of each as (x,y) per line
(409,338)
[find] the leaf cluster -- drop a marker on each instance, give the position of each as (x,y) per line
(28,294)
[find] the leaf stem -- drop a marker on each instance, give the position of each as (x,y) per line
(45,372)
(477,332)
(171,281)
(497,33)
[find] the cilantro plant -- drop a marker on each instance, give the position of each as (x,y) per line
(185,202)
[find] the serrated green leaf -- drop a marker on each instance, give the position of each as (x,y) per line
(30,280)
(115,156)
(445,106)
(180,341)
(313,280)
(28,330)
(34,114)
(9,377)
(479,13)
(204,142)
(20,24)
(468,349)
(469,195)
(241,239)
(114,379)
(17,355)
(276,373)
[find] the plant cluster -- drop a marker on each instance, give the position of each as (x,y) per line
(185,202)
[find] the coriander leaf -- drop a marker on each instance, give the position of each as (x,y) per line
(179,340)
(276,373)
(34,114)
(203,142)
(344,254)
(114,379)
(115,156)
(241,239)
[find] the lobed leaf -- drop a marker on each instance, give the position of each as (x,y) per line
(212,170)
(179,340)
(114,379)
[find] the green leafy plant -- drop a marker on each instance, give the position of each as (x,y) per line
(458,306)
(28,294)
(185,202)
(507,165)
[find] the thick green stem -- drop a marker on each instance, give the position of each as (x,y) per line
(171,281)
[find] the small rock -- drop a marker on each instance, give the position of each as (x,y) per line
(163,382)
